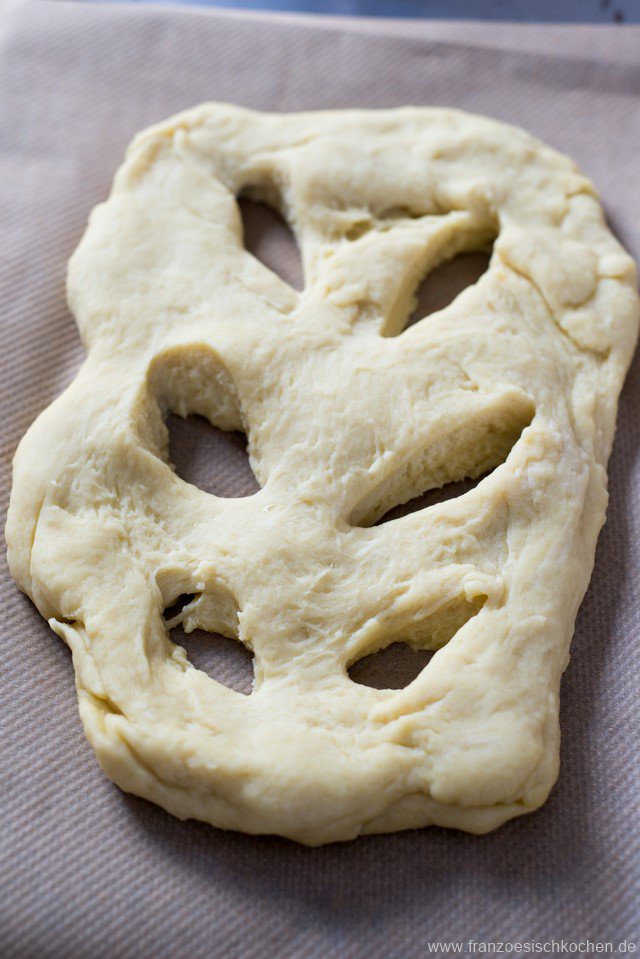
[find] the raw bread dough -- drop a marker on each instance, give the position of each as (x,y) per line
(346,416)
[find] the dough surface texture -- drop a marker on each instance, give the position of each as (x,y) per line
(348,414)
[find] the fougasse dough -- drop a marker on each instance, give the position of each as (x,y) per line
(347,415)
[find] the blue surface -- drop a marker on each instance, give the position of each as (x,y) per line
(558,11)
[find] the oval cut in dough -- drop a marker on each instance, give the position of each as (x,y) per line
(348,414)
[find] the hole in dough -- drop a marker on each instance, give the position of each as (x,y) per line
(214,460)
(441,286)
(176,607)
(391,668)
(188,379)
(431,498)
(225,660)
(268,237)
(190,417)
(67,621)
(215,609)
(469,452)
(410,642)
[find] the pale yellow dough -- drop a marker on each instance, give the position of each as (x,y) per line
(345,419)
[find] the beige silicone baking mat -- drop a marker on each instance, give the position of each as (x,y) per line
(88,872)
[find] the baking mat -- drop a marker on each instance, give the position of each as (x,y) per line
(87,872)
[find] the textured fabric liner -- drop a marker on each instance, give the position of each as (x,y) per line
(86,871)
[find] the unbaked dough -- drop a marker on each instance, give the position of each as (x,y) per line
(347,416)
